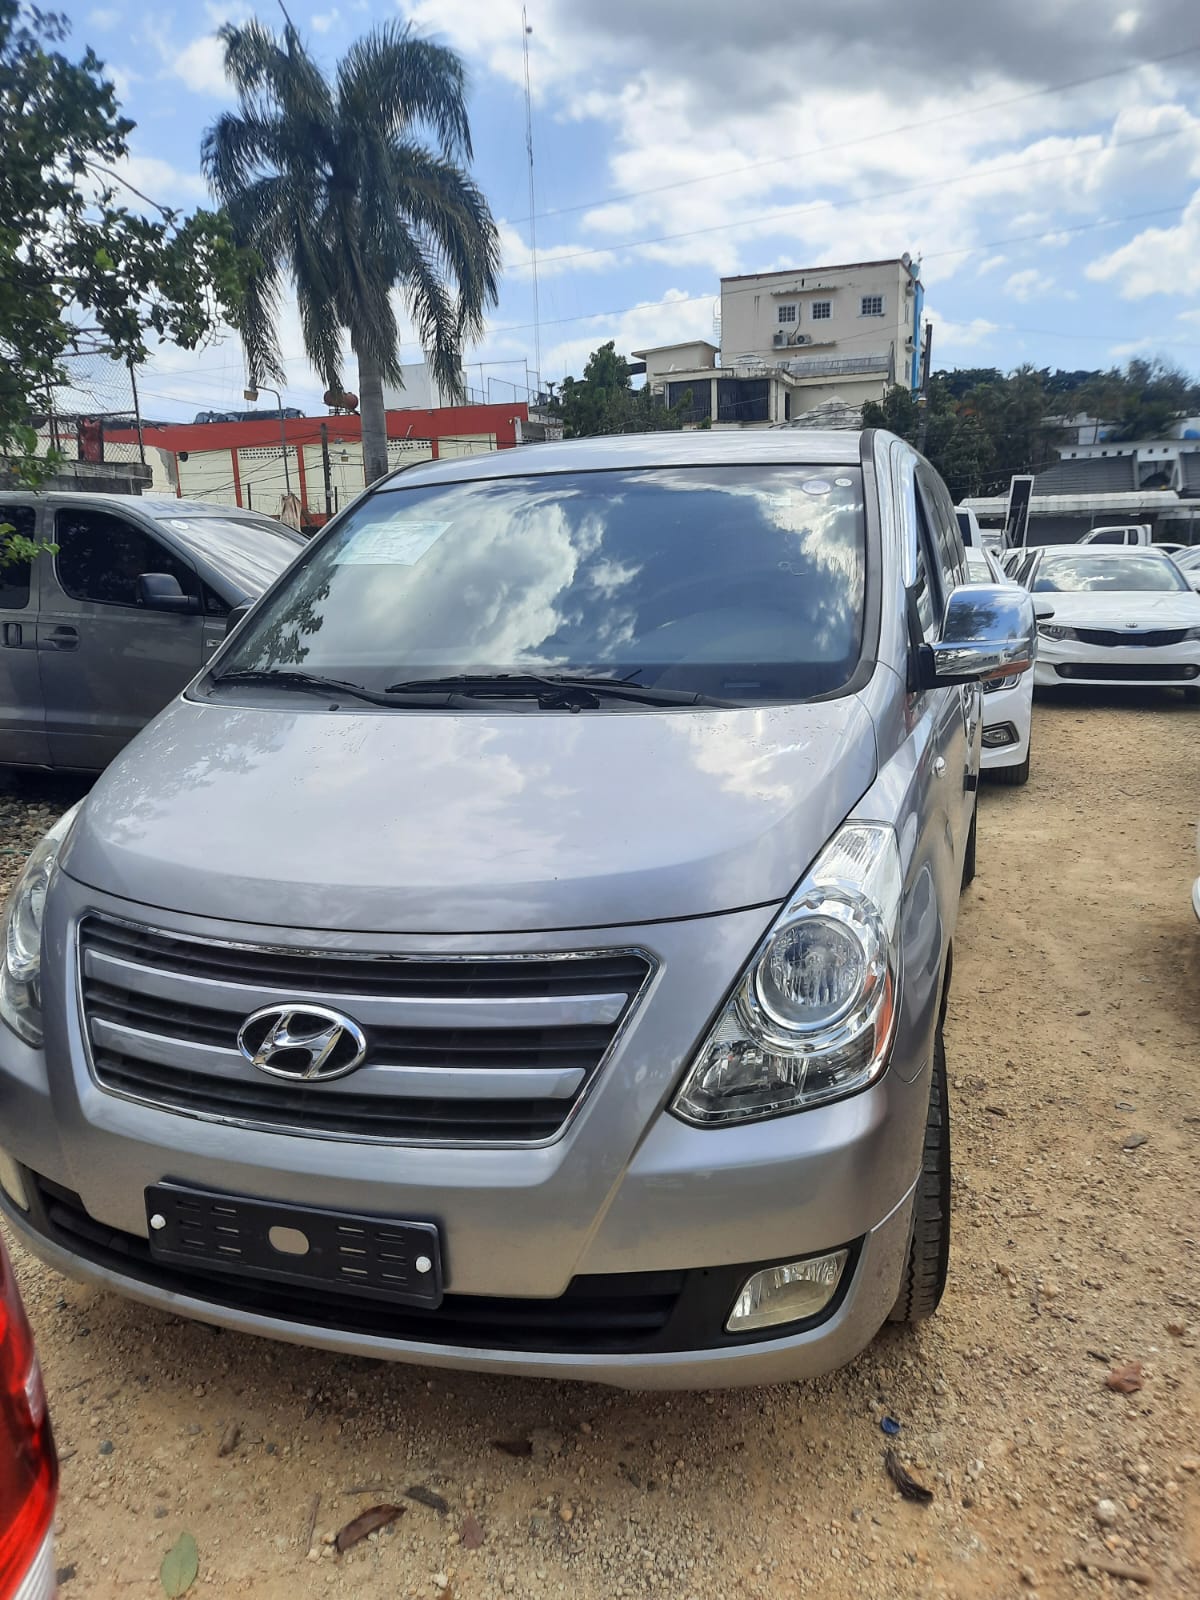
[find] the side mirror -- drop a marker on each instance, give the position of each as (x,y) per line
(235,615)
(160,591)
(1042,610)
(988,631)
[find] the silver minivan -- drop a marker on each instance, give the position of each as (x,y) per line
(525,947)
(97,635)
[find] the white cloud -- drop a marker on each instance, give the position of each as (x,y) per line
(990,264)
(104,17)
(322,21)
(958,335)
(1190,316)
(201,65)
(1126,22)
(1130,347)
(552,259)
(1156,261)
(1027,284)
(160,180)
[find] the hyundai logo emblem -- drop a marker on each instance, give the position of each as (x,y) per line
(310,1044)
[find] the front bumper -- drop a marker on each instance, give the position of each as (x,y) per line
(626,1191)
(1009,710)
(1072,664)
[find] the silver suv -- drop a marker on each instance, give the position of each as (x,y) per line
(525,946)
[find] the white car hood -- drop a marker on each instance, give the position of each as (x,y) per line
(1119,609)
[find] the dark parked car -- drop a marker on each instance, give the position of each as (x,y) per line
(96,638)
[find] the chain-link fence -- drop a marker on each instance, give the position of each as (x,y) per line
(81,416)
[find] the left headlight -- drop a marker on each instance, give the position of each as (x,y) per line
(1052,630)
(813,1015)
(21,956)
(991,685)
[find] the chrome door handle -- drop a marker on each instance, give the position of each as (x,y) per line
(12,635)
(939,767)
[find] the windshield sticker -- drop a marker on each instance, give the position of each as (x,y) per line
(816,486)
(844,483)
(401,542)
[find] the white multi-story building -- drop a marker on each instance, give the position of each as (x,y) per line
(795,340)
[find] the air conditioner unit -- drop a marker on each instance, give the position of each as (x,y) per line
(802,338)
(780,339)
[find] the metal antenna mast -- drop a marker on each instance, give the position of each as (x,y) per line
(537,320)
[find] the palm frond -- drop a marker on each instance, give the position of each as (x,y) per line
(393,81)
(455,222)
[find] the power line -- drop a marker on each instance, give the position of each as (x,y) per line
(869,138)
(970,176)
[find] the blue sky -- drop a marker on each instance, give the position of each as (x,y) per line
(1043,160)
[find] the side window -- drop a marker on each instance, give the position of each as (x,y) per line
(14,579)
(928,599)
(101,557)
(948,549)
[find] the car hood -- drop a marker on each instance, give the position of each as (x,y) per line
(1170,610)
(470,822)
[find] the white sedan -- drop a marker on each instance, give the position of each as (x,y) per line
(1120,617)
(1007,703)
(1188,562)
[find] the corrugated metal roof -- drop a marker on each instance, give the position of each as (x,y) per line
(1088,475)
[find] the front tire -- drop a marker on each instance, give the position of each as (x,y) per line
(928,1262)
(968,873)
(1013,776)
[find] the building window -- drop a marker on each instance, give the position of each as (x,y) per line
(743,400)
(872,305)
(787,313)
(697,396)
(822,310)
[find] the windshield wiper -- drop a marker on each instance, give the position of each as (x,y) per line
(550,688)
(305,682)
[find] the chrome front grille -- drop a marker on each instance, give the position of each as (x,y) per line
(480,1049)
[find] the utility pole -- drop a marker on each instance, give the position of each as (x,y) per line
(137,414)
(923,394)
(325,470)
(251,394)
(537,319)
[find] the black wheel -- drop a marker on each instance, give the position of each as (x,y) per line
(1011,775)
(968,876)
(928,1261)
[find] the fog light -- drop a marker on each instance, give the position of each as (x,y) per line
(998,735)
(791,1293)
(12,1181)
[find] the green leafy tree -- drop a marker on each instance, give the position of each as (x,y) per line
(78,266)
(332,185)
(605,401)
(1143,401)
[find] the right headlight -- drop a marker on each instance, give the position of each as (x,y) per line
(814,1013)
(21,950)
(1051,630)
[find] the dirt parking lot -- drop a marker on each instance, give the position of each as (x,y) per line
(1074,1044)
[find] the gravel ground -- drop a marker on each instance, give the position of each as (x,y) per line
(1074,1042)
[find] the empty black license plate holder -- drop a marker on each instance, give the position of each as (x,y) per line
(372,1256)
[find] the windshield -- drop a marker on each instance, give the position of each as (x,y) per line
(1080,574)
(743,583)
(250,554)
(1188,559)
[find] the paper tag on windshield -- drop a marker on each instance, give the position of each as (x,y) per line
(398,543)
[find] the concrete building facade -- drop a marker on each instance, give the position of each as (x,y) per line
(796,340)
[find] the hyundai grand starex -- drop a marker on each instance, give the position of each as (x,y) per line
(525,945)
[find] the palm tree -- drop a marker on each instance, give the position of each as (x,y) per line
(352,188)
